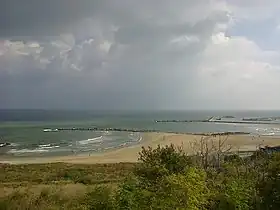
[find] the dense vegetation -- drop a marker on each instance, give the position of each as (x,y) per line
(165,178)
(61,173)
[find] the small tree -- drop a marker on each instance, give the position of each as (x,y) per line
(208,150)
(222,148)
(162,161)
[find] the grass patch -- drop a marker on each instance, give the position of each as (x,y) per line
(49,197)
(63,173)
(58,185)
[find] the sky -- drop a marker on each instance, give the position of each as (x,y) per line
(142,55)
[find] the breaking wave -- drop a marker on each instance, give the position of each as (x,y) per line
(37,150)
(90,141)
(48,146)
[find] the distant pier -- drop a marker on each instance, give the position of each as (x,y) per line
(218,120)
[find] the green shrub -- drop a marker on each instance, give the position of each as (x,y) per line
(162,161)
(269,187)
(99,198)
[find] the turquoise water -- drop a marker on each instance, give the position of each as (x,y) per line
(24,129)
(29,139)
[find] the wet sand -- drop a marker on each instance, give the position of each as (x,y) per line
(189,143)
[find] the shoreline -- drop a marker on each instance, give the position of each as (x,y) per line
(238,142)
(73,152)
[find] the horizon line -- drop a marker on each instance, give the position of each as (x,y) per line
(129,110)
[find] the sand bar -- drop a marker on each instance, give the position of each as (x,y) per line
(130,154)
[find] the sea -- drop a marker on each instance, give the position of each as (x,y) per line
(24,129)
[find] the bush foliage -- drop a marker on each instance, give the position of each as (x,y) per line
(167,178)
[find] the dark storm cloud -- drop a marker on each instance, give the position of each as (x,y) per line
(103,54)
(42,18)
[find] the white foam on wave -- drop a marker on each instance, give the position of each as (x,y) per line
(107,148)
(140,139)
(48,146)
(269,134)
(93,140)
(15,151)
(134,136)
(107,132)
(45,145)
(50,130)
(14,144)
(43,148)
(265,131)
(9,144)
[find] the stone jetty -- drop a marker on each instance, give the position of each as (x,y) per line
(100,129)
(142,131)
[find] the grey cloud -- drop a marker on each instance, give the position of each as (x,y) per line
(142,67)
(42,18)
(39,18)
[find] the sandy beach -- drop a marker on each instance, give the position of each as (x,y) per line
(190,144)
